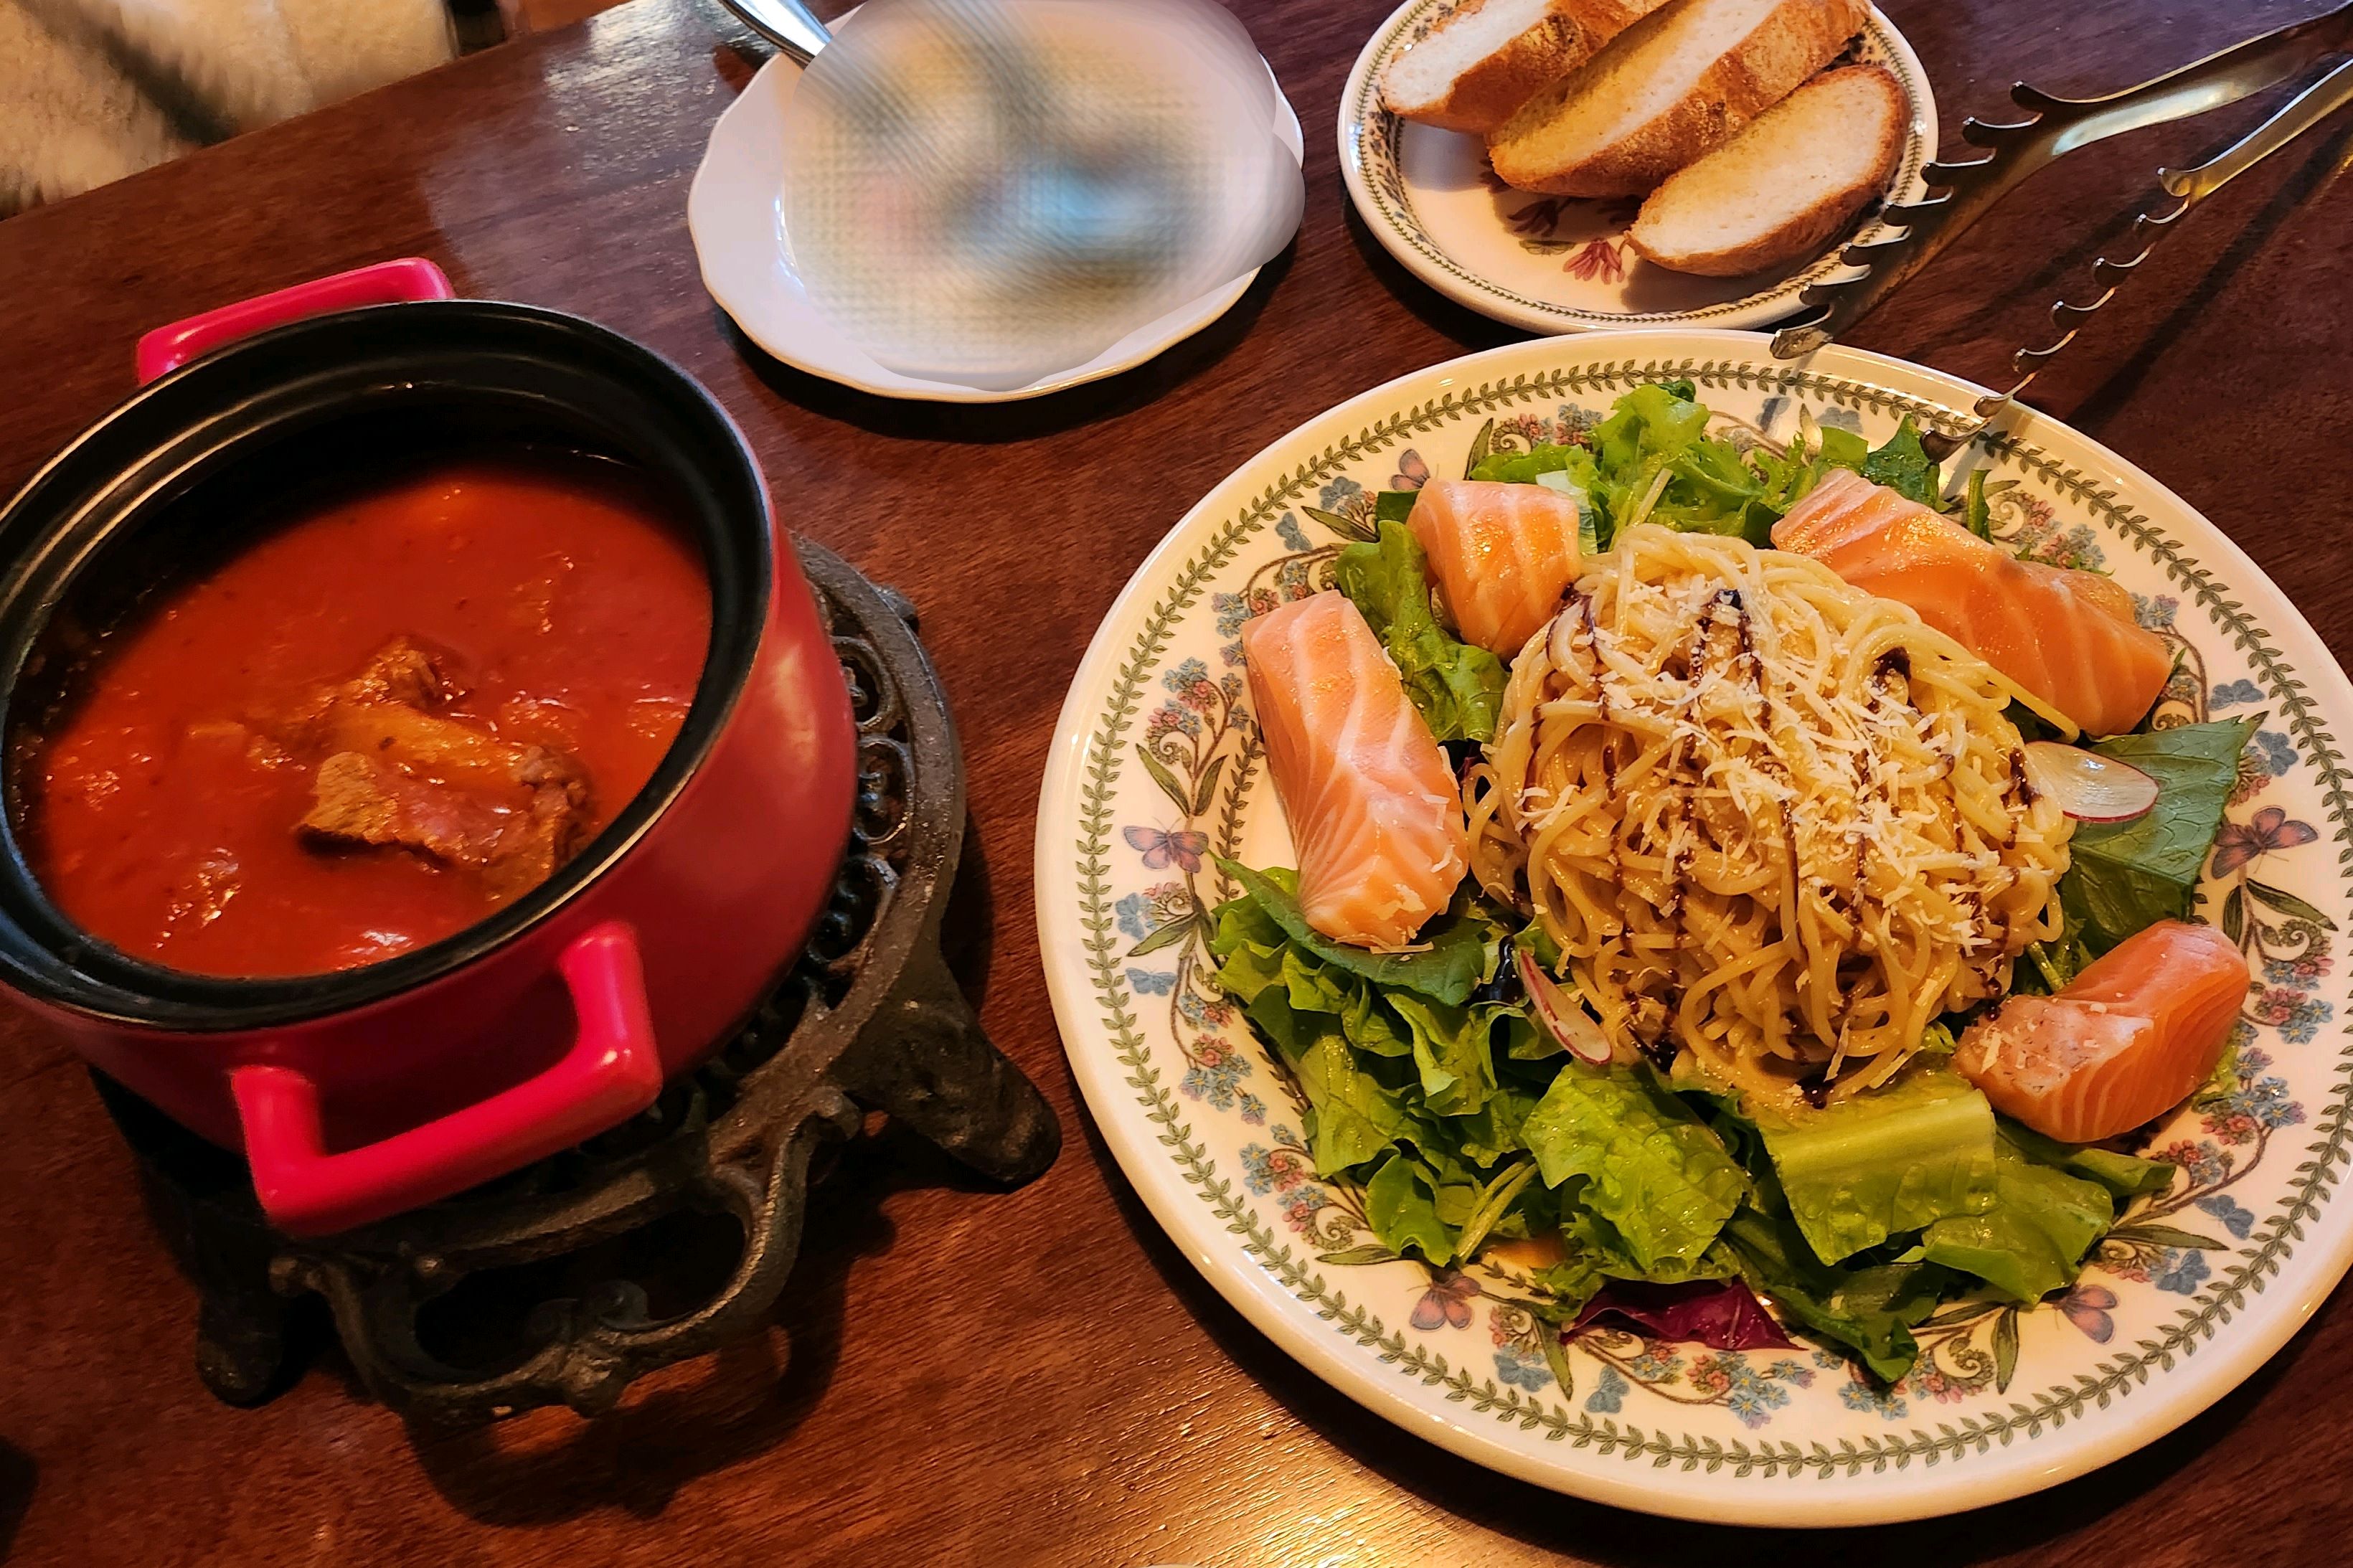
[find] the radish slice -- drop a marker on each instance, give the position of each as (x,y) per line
(1563,1016)
(2088,786)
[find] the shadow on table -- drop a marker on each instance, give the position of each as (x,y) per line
(990,423)
(746,1397)
(1939,326)
(18,1476)
(1436,311)
(742,1400)
(1602,1535)
(2328,162)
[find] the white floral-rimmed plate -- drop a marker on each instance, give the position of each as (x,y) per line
(1551,264)
(733,212)
(1154,767)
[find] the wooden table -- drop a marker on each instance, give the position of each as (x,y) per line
(964,1377)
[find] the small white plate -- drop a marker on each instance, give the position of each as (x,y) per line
(733,212)
(1156,768)
(1555,264)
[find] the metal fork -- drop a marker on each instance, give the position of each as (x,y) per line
(2057,126)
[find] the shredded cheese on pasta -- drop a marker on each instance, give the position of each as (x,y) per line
(1773,822)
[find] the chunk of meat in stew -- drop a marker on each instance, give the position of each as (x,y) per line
(399,773)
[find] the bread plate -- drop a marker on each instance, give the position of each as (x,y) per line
(1551,264)
(1155,771)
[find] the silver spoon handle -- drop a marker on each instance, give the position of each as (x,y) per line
(787,24)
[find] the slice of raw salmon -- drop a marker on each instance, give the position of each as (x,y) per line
(1504,554)
(1372,803)
(2125,1041)
(2067,638)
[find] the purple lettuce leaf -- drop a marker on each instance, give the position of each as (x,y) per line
(1722,1314)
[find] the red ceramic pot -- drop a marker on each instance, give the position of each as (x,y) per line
(357,1094)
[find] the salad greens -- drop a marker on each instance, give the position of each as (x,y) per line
(2031,1234)
(1858,1220)
(1914,1153)
(2124,877)
(1652,460)
(1457,688)
(1654,1183)
(1428,1082)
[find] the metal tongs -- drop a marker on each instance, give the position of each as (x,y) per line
(2056,126)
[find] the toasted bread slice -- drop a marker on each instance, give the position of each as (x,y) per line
(1667,91)
(1785,186)
(1489,56)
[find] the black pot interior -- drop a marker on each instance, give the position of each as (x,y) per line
(183,473)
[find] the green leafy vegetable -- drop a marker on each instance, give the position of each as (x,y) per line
(1493,1204)
(1884,1163)
(1394,506)
(2127,1176)
(1975,516)
(1651,1169)
(1457,688)
(1871,1310)
(1655,462)
(1388,1048)
(1401,1206)
(1527,467)
(1356,1116)
(2124,877)
(1903,465)
(1451,1052)
(2031,1239)
(1459,950)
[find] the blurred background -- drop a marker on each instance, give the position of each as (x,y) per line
(91,90)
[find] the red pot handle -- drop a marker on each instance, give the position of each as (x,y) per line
(612,1072)
(411,277)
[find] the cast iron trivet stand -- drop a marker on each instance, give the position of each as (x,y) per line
(868,1015)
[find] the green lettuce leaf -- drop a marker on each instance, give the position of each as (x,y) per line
(1457,688)
(1452,1051)
(1460,954)
(1869,1310)
(1884,1163)
(1544,458)
(2126,876)
(1903,465)
(1841,450)
(1385,1064)
(1649,1168)
(2032,1239)
(1355,1117)
(1659,428)
(2126,1176)
(1401,1206)
(1493,1133)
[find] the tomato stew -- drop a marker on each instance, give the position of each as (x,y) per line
(390,710)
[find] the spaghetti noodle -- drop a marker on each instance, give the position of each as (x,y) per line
(1771,821)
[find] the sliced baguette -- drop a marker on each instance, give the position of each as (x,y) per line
(1667,91)
(1785,186)
(1490,56)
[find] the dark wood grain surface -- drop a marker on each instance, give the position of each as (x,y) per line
(964,1377)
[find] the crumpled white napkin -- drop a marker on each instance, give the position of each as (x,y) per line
(91,90)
